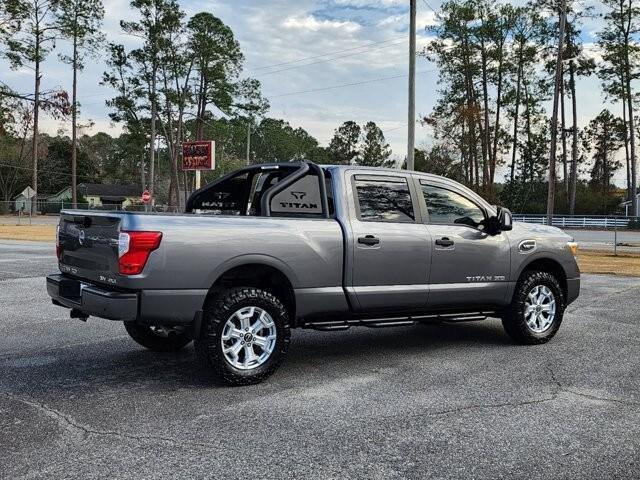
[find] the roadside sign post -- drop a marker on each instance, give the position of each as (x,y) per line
(615,236)
(146,197)
(198,156)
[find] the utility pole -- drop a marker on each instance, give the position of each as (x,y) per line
(249,142)
(411,117)
(554,117)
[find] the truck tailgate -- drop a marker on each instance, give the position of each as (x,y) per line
(88,245)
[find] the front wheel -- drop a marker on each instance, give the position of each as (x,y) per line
(157,338)
(244,336)
(535,313)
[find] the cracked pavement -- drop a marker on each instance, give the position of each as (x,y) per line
(431,401)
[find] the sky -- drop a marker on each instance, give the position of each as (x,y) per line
(299,50)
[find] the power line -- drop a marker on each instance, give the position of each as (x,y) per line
(388,43)
(327,60)
(353,84)
(428,5)
(325,54)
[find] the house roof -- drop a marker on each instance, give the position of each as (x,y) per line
(106,190)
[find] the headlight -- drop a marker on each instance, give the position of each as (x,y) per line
(573,248)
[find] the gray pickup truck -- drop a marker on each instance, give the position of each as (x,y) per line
(278,246)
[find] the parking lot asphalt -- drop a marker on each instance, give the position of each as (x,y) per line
(431,401)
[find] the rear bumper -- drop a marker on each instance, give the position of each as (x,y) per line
(153,307)
(573,289)
(92,300)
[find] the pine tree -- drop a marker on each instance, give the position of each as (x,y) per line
(374,150)
(79,21)
(29,46)
(344,144)
(620,67)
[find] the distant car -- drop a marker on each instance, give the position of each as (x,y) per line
(277,246)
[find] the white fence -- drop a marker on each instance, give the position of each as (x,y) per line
(579,221)
(48,208)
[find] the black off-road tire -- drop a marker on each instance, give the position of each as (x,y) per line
(513,319)
(145,336)
(217,311)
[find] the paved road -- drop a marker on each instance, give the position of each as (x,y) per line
(605,237)
(26,259)
(453,401)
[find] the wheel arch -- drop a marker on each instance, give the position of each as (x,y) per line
(549,265)
(266,273)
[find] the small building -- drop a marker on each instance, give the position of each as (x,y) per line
(98,194)
(22,201)
(628,206)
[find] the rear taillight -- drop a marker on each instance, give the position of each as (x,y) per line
(58,246)
(134,249)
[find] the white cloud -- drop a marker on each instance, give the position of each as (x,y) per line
(369,3)
(360,39)
(313,24)
(423,19)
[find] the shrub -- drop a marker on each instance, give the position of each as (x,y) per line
(634,224)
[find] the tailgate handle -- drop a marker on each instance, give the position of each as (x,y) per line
(82,220)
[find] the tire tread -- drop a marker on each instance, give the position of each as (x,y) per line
(217,310)
(513,319)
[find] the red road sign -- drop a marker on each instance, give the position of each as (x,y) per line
(146,196)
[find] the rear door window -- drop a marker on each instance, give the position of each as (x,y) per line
(383,199)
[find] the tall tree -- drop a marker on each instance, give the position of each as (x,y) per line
(29,47)
(218,60)
(129,103)
(57,170)
(580,65)
(604,137)
(344,144)
(620,67)
(154,17)
(14,132)
(374,150)
(80,22)
(529,35)
(562,17)
(276,141)
(439,160)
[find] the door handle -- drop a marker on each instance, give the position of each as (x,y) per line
(369,240)
(444,242)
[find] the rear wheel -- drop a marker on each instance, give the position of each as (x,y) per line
(537,308)
(244,336)
(157,338)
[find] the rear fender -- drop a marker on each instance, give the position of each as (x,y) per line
(252,258)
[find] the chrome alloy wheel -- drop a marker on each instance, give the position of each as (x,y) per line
(540,309)
(248,338)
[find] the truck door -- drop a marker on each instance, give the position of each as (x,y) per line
(390,246)
(468,266)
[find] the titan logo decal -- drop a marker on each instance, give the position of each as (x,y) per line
(299,195)
(487,278)
(299,205)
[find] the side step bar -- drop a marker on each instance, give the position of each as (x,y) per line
(398,321)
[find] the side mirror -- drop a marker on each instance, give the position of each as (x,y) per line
(505,219)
